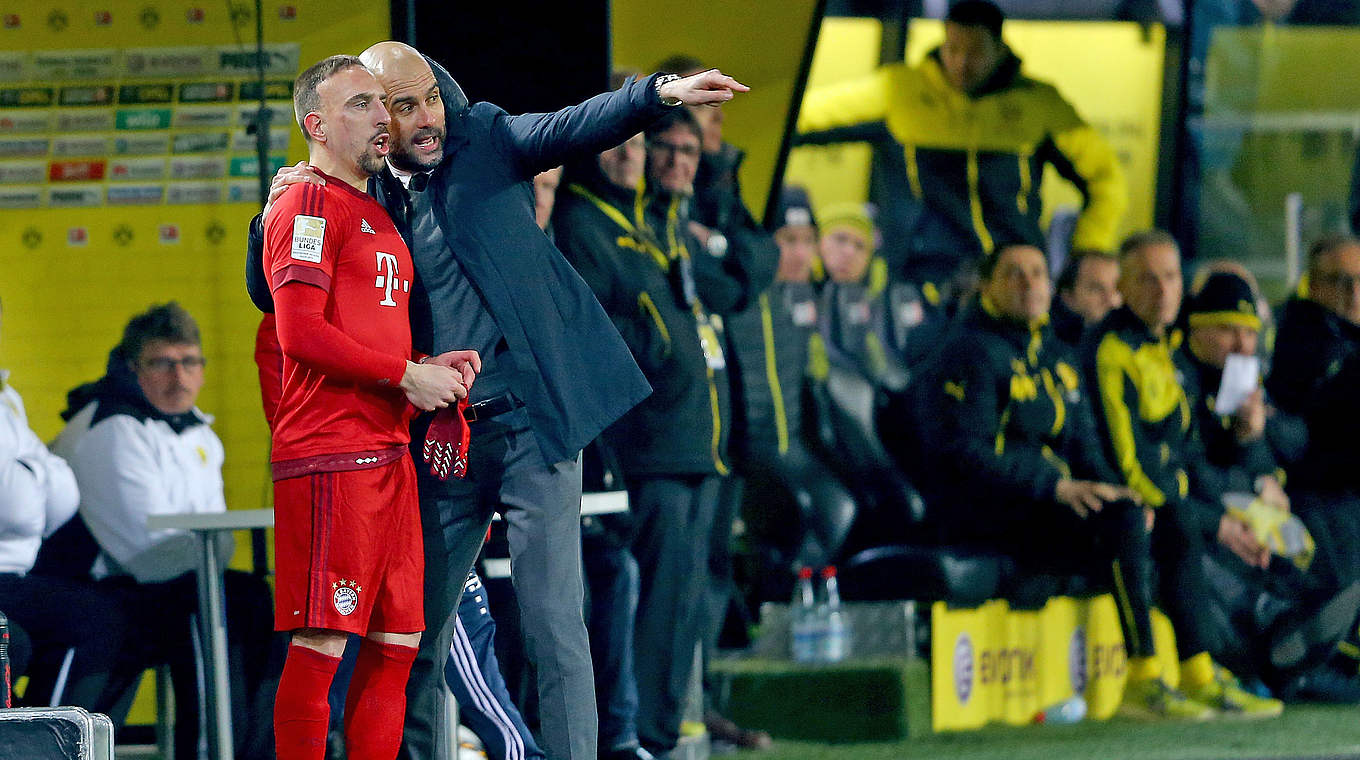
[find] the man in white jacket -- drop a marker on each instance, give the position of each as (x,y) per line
(139,447)
(68,620)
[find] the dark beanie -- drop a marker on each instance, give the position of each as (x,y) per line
(1225,299)
(795,208)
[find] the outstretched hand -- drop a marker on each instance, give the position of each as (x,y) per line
(707,88)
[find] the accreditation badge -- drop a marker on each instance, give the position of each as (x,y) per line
(708,338)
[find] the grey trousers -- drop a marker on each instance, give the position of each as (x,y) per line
(542,506)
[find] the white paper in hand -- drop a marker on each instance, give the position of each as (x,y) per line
(1241,377)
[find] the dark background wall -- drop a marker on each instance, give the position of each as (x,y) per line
(523,55)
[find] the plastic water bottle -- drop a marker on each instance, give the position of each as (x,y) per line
(805,627)
(4,661)
(1070,710)
(836,624)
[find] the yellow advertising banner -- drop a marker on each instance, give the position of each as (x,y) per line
(992,664)
(128,174)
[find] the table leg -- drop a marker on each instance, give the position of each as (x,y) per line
(213,625)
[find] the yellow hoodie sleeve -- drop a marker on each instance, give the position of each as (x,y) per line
(844,104)
(1107,193)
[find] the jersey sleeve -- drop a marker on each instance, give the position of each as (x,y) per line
(300,243)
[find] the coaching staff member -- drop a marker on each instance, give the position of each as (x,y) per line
(458,186)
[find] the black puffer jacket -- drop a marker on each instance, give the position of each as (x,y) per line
(1315,374)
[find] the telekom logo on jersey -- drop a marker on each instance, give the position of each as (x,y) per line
(388,278)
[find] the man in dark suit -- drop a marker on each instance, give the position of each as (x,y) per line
(458,185)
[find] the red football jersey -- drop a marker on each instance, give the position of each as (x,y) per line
(342,241)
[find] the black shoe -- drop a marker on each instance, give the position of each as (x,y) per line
(1323,683)
(626,753)
(1311,637)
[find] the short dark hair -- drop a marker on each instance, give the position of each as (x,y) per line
(1326,244)
(681,63)
(1067,278)
(169,322)
(305,99)
(977,13)
(675,117)
(1144,239)
(988,264)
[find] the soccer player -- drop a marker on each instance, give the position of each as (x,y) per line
(348,539)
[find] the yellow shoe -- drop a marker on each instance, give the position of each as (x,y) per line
(1227,696)
(1152,699)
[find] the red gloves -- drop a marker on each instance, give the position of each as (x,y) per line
(446,442)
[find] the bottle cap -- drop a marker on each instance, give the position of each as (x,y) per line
(829,571)
(804,573)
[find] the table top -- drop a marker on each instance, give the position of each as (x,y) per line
(232,519)
(601,503)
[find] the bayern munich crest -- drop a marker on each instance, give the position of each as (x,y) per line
(963,668)
(345,595)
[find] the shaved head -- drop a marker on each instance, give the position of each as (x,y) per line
(413,99)
(394,60)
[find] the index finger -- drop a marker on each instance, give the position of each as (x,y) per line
(732,84)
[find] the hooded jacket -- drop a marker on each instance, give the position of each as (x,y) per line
(132,461)
(975,161)
(565,360)
(682,428)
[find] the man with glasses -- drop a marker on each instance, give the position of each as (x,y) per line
(139,447)
(1315,374)
(1317,352)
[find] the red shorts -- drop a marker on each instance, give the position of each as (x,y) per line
(349,552)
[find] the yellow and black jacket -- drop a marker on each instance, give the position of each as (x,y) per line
(658,297)
(975,161)
(1144,414)
(1011,416)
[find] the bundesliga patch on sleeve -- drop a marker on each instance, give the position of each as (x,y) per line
(308,234)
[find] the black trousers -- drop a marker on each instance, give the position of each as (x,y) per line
(1112,547)
(1334,520)
(59,615)
(165,630)
(672,522)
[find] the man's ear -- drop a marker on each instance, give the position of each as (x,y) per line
(315,127)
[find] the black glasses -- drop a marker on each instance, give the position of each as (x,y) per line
(166,365)
(688,151)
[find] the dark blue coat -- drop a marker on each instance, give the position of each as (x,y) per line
(568,364)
